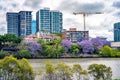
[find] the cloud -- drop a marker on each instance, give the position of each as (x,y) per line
(116,4)
(33,3)
(76,6)
(117,14)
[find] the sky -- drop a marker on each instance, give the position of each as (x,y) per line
(100,25)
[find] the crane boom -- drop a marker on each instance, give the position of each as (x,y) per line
(84,15)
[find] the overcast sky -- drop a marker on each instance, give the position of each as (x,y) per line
(97,24)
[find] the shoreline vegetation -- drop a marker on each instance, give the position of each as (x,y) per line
(58,48)
(14,69)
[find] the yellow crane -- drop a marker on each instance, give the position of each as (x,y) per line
(84,15)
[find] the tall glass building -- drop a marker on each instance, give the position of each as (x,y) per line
(20,23)
(33,26)
(47,20)
(25,18)
(55,22)
(12,23)
(117,32)
(43,20)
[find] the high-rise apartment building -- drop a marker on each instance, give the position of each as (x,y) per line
(47,20)
(20,23)
(43,20)
(117,32)
(25,19)
(12,23)
(55,22)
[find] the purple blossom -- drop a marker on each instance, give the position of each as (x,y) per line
(86,46)
(97,43)
(66,44)
(105,43)
(33,45)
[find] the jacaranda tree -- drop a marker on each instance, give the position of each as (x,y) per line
(86,46)
(32,45)
(66,44)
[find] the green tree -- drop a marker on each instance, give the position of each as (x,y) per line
(100,72)
(13,69)
(50,71)
(79,72)
(64,72)
(75,49)
(106,51)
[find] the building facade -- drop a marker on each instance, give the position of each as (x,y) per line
(74,36)
(117,32)
(46,36)
(25,18)
(55,22)
(12,23)
(47,20)
(33,27)
(43,20)
(20,23)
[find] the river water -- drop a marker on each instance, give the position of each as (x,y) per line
(114,63)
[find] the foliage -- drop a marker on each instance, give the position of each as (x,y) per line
(13,69)
(100,72)
(9,40)
(50,70)
(66,44)
(33,46)
(24,54)
(64,71)
(98,43)
(86,46)
(52,48)
(75,49)
(106,51)
(79,72)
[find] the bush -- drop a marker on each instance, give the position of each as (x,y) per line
(100,72)
(106,51)
(13,69)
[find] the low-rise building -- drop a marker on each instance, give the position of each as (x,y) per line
(74,36)
(47,36)
(115,45)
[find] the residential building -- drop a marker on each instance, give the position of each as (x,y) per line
(115,45)
(12,23)
(20,23)
(73,35)
(117,32)
(55,21)
(43,20)
(33,27)
(47,20)
(47,36)
(25,18)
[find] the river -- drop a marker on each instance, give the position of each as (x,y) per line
(114,63)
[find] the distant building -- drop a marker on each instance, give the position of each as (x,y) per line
(117,32)
(50,21)
(12,23)
(43,20)
(20,23)
(25,18)
(47,36)
(33,27)
(73,35)
(55,22)
(115,45)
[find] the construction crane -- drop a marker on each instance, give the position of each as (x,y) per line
(84,15)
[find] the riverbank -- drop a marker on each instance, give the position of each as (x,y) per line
(84,62)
